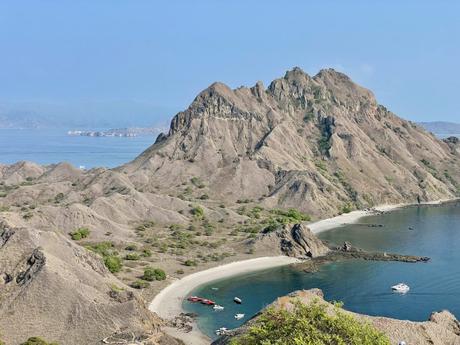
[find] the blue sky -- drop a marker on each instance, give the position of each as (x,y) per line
(160,54)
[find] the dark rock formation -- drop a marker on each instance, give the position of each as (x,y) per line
(35,263)
(292,240)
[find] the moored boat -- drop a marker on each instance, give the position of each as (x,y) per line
(194,299)
(239,316)
(237,300)
(400,288)
(221,331)
(207,302)
(217,307)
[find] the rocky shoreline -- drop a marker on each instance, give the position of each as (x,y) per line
(348,252)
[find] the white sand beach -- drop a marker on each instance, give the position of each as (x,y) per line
(349,218)
(168,303)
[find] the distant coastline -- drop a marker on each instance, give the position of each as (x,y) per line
(118,132)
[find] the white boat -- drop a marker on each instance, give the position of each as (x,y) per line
(221,331)
(238,300)
(239,316)
(400,288)
(217,307)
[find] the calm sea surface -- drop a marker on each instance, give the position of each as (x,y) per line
(54,145)
(363,286)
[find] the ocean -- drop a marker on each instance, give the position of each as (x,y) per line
(48,146)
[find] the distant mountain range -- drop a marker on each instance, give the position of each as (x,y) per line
(83,115)
(442,128)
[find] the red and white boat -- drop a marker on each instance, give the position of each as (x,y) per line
(207,302)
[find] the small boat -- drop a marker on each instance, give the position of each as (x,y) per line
(400,288)
(207,302)
(217,307)
(239,316)
(221,331)
(214,288)
(194,299)
(237,300)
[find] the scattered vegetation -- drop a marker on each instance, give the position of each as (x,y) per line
(190,262)
(347,208)
(113,263)
(197,211)
(132,256)
(37,341)
(197,182)
(79,234)
(139,284)
(151,274)
(109,255)
(310,324)
(145,225)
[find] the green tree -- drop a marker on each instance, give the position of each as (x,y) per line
(310,324)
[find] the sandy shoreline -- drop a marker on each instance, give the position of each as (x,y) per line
(168,303)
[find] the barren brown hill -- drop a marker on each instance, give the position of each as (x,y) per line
(231,166)
(315,143)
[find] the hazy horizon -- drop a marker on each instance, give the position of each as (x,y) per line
(139,63)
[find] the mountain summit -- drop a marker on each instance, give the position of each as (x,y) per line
(319,143)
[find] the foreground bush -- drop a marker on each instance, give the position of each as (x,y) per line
(310,324)
(37,341)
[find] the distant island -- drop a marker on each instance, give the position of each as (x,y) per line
(118,132)
(441,128)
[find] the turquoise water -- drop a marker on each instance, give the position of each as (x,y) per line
(363,286)
(47,146)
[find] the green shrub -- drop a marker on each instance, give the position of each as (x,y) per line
(139,284)
(347,208)
(197,211)
(190,263)
(310,324)
(146,253)
(151,274)
(132,256)
(197,182)
(79,234)
(37,341)
(131,247)
(113,263)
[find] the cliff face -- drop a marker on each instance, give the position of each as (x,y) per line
(315,143)
(53,288)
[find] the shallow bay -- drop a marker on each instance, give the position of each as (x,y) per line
(363,286)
